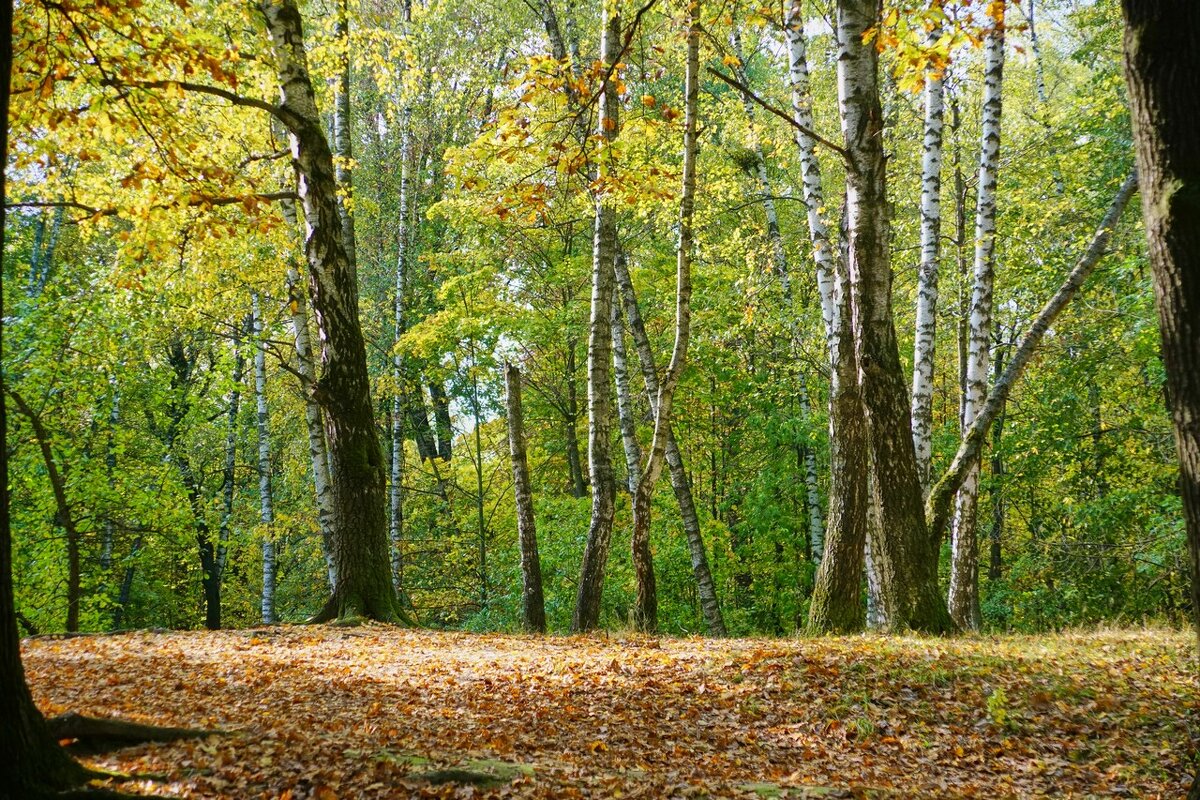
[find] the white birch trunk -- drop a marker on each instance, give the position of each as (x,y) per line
(810,173)
(264,468)
(964,573)
(396,488)
(927,279)
(625,407)
(317,451)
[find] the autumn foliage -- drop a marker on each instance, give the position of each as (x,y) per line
(319,712)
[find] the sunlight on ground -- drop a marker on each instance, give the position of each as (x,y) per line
(318,712)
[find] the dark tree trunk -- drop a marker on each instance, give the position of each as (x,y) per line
(907,560)
(533,610)
(837,600)
(418,415)
(571,420)
(441,416)
(360,547)
(31,762)
(1162,67)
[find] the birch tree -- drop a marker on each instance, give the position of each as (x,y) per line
(908,565)
(265,500)
(645,613)
(604,251)
(836,603)
(964,571)
(706,588)
(927,274)
(364,585)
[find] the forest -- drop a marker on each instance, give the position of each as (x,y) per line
(823,375)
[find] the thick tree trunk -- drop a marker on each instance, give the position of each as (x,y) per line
(937,507)
(1162,67)
(31,762)
(358,478)
(963,597)
(64,515)
(265,499)
(837,599)
(533,611)
(836,603)
(927,277)
(908,563)
(705,585)
(604,251)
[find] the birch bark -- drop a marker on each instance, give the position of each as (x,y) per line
(265,499)
(706,588)
(364,586)
(599,540)
(927,277)
(908,564)
(964,570)
(645,612)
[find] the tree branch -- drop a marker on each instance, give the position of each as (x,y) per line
(937,507)
(786,117)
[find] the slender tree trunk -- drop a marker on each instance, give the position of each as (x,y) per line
(645,612)
(64,515)
(1162,68)
(343,135)
(908,563)
(110,474)
(625,410)
(364,586)
(126,589)
(706,587)
(937,507)
(997,491)
(317,452)
(570,421)
(533,611)
(399,371)
(599,540)
(265,498)
(927,280)
(824,254)
(441,417)
(964,564)
(229,474)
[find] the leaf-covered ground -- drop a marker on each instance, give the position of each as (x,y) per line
(326,712)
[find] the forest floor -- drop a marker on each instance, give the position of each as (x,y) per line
(328,712)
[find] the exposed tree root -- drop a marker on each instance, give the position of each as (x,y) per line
(98,734)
